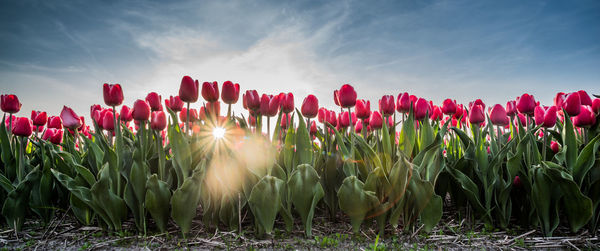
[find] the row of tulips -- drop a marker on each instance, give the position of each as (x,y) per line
(523,162)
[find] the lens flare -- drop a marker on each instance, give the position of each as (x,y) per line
(218,132)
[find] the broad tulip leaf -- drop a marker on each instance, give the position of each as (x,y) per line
(104,197)
(304,148)
(16,204)
(545,200)
(265,201)
(432,213)
(569,141)
(185,200)
(585,160)
(305,191)
(355,201)
(399,178)
(408,134)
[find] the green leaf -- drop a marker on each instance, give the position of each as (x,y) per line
(585,160)
(158,196)
(16,204)
(305,192)
(304,149)
(355,201)
(185,200)
(569,141)
(265,201)
(104,197)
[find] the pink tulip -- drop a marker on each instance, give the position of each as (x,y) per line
(69,118)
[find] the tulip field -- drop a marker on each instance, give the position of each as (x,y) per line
(405,166)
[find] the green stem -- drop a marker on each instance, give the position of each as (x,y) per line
(229,111)
(268,127)
(187,119)
(161,160)
(545,144)
(21,171)
(352,141)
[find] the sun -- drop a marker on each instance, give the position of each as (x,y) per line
(218,132)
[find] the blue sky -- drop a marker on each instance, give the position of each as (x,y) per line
(60,52)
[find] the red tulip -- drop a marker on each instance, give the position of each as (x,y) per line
(188,90)
(376,121)
(322,115)
(210,91)
(362,109)
(252,121)
(285,120)
(449,107)
(231,92)
(476,115)
(193,115)
(517,181)
(554,146)
(526,104)
(386,105)
(39,118)
(331,118)
(421,109)
(108,122)
(347,96)
(54,122)
(252,100)
(596,105)
(344,120)
(436,114)
(403,102)
(8,121)
(545,116)
(53,135)
(520,118)
(585,118)
(158,121)
(559,100)
(336,97)
(313,128)
(572,104)
(69,118)
(10,103)
(126,114)
(498,116)
(459,111)
(22,126)
(174,103)
(154,100)
(478,102)
(213,108)
(287,102)
(310,106)
(511,108)
(358,126)
(141,110)
(113,94)
(269,105)
(585,98)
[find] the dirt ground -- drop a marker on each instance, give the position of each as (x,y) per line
(65,233)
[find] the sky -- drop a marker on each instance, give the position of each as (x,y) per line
(55,53)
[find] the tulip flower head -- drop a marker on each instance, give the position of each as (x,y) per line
(53,135)
(230,92)
(10,103)
(113,94)
(421,109)
(585,118)
(39,118)
(498,116)
(210,91)
(188,90)
(23,127)
(287,102)
(141,110)
(403,103)
(69,118)
(154,100)
(362,109)
(174,103)
(376,120)
(386,105)
(572,104)
(158,121)
(476,115)
(251,100)
(310,106)
(526,104)
(347,96)
(449,106)
(126,114)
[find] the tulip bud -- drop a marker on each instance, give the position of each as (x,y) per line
(476,115)
(108,122)
(386,105)
(126,114)
(54,122)
(193,115)
(421,109)
(210,91)
(376,121)
(572,104)
(158,121)
(188,90)
(313,128)
(252,100)
(358,126)
(363,109)
(559,100)
(39,118)
(285,121)
(22,126)
(511,108)
(596,105)
(403,102)
(287,102)
(517,181)
(331,118)
(10,103)
(584,98)
(436,114)
(269,105)
(554,146)
(231,92)
(310,106)
(322,115)
(154,100)
(174,103)
(113,94)
(69,118)
(585,118)
(347,96)
(449,107)
(550,116)
(526,104)
(53,135)
(520,118)
(498,116)
(141,110)
(344,120)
